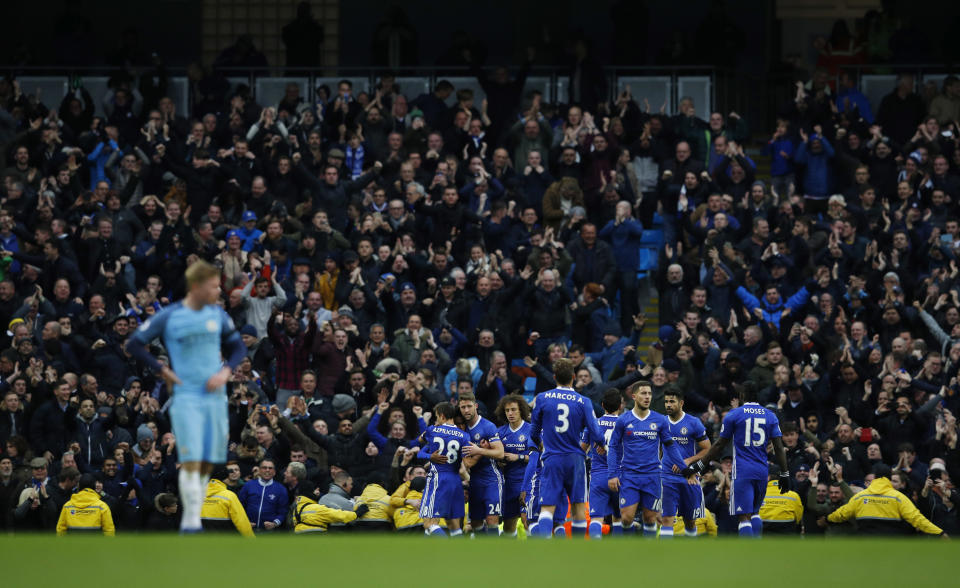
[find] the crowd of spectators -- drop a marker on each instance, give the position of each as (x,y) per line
(382,252)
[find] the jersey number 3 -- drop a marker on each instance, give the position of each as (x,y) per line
(755,435)
(563,418)
(450,450)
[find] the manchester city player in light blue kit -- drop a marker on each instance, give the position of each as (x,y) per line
(682,495)
(748,428)
(194,331)
(559,420)
(633,459)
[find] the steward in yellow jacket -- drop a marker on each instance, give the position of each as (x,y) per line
(222,510)
(780,513)
(706,526)
(310,517)
(380,514)
(407,517)
(85,512)
(882,510)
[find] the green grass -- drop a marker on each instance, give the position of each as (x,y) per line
(399,562)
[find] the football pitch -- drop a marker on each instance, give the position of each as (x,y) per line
(399,561)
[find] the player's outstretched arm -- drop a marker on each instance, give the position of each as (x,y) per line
(784,481)
(701,465)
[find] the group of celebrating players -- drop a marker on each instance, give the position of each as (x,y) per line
(639,458)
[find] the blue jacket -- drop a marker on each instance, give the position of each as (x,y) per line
(264,502)
(780,165)
(857,100)
(608,358)
(98,157)
(625,240)
(817,175)
(771,313)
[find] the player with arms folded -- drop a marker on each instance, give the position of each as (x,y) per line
(633,459)
(443,445)
(747,429)
(194,331)
(682,495)
(603,501)
(515,436)
(559,419)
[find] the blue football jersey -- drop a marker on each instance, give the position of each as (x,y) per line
(598,463)
(686,433)
(193,339)
(749,428)
(480,431)
(635,444)
(518,442)
(559,420)
(449,441)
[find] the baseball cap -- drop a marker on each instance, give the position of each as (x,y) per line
(249,215)
(407,286)
(448,281)
(233,233)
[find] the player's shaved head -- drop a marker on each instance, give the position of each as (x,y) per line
(563,372)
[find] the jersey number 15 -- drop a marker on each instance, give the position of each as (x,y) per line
(755,434)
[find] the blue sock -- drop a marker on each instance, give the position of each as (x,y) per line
(596,529)
(666,532)
(745,529)
(533,529)
(495,531)
(689,533)
(629,528)
(578,529)
(436,530)
(757,523)
(649,530)
(456,533)
(616,529)
(560,531)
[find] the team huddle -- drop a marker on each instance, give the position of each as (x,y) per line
(529,469)
(639,459)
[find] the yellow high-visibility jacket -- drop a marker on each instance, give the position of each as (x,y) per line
(85,512)
(408,516)
(705,525)
(781,508)
(882,510)
(376,497)
(399,496)
(310,517)
(222,510)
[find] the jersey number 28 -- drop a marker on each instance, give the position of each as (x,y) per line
(451,450)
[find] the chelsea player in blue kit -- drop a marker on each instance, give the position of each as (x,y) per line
(683,496)
(748,428)
(515,436)
(486,481)
(633,459)
(194,331)
(603,501)
(559,419)
(443,445)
